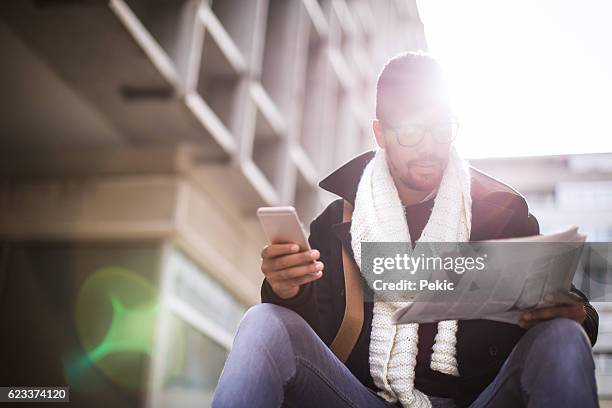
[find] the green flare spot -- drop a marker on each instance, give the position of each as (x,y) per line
(116,312)
(130,330)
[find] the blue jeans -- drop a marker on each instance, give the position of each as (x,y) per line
(278,360)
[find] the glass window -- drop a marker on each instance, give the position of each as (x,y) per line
(193,364)
(198,289)
(201,318)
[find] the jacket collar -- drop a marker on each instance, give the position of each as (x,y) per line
(343,181)
(488,218)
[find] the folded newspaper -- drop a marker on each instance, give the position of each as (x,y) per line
(521,273)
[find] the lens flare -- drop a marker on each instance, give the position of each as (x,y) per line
(116,310)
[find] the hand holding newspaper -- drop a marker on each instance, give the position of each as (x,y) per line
(521,273)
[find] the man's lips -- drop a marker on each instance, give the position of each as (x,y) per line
(426,164)
(425,168)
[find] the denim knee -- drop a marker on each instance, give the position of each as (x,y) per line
(261,361)
(271,322)
(561,329)
(561,341)
(261,315)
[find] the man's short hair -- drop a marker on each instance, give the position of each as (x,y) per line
(408,81)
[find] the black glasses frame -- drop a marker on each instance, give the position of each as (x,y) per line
(427,129)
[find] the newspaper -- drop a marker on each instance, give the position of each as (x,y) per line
(540,277)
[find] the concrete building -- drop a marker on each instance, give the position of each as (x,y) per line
(138,139)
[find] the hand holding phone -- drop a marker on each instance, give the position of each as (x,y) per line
(287,261)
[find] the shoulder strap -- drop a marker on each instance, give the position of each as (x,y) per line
(352,322)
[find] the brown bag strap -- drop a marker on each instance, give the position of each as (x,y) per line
(352,322)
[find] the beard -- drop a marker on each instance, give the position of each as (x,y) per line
(422,174)
(426,182)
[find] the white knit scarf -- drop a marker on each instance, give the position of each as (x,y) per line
(379,216)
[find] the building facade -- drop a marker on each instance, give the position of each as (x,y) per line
(138,139)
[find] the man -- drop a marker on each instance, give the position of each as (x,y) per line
(414,186)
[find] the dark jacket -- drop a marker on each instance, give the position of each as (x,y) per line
(498,211)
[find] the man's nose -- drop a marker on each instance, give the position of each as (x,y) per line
(427,145)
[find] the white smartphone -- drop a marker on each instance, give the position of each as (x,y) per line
(282,225)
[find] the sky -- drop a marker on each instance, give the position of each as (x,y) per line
(526,77)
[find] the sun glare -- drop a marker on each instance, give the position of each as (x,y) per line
(526,78)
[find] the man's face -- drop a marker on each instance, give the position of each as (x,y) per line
(421,166)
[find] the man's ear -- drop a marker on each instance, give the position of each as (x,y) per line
(378,133)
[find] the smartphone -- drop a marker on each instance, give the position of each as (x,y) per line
(282,225)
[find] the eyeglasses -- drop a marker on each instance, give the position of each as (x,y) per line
(412,135)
